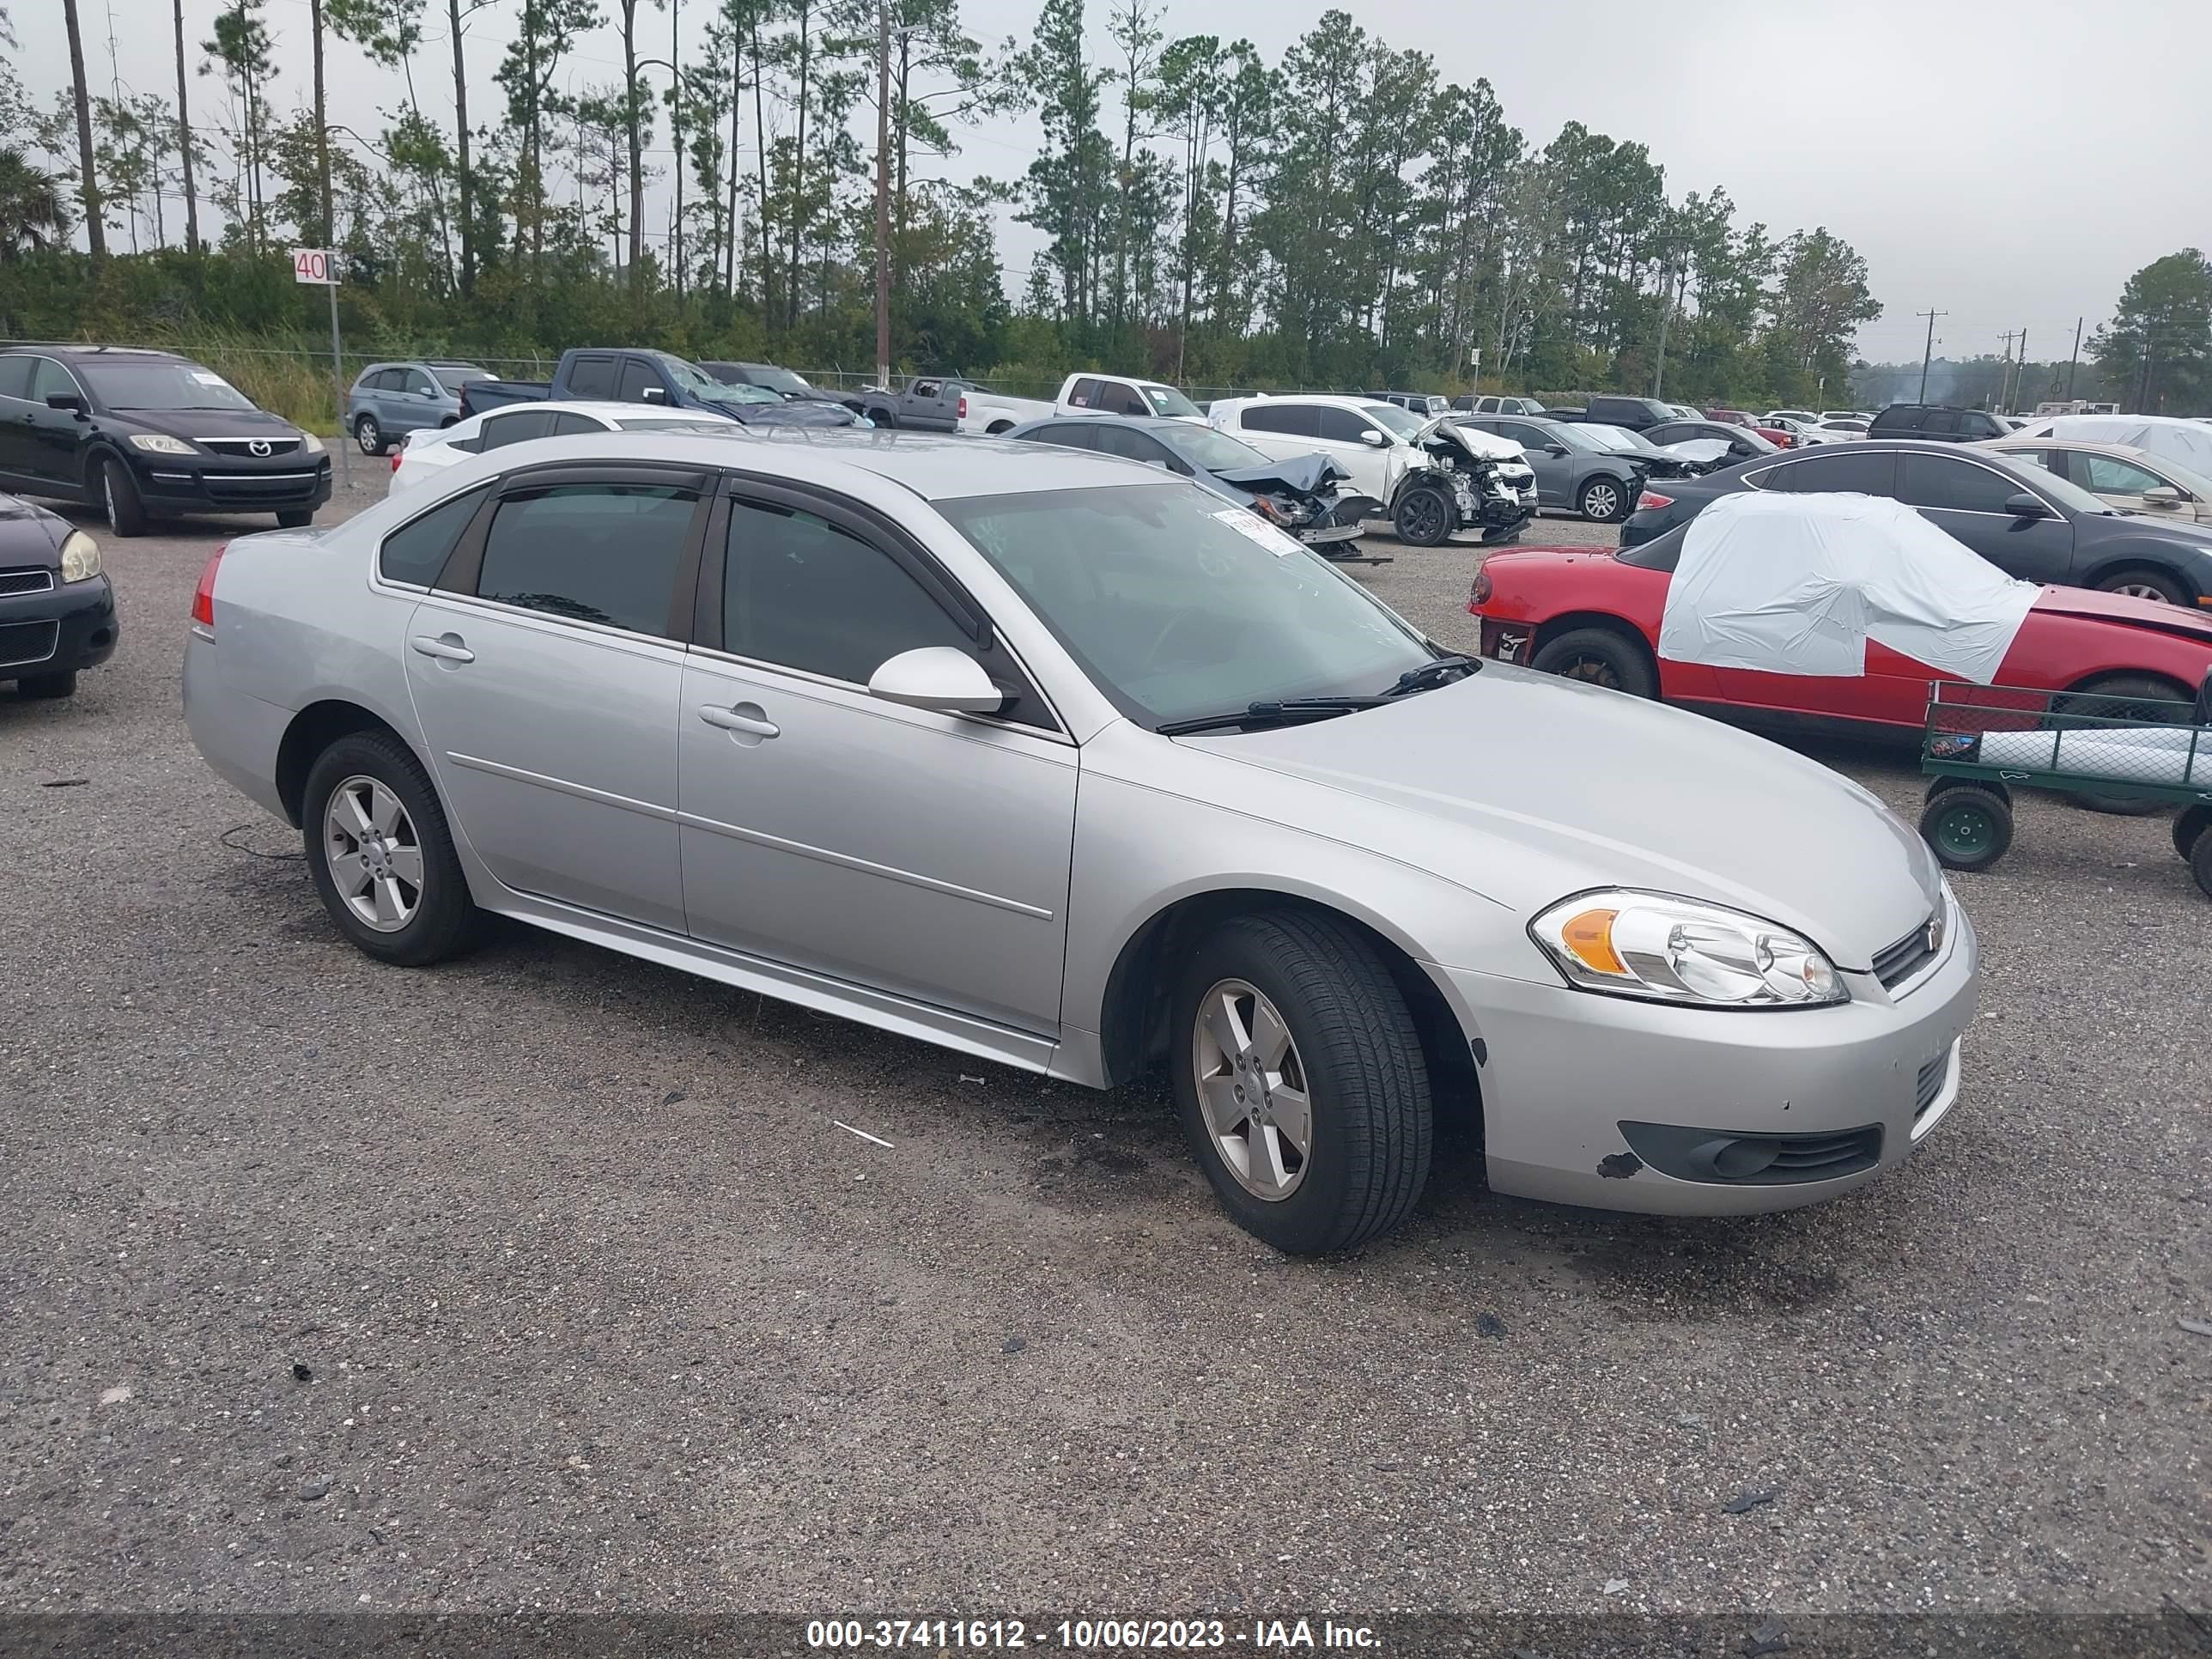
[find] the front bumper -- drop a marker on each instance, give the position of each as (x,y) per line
(1562,1071)
(58,631)
(283,483)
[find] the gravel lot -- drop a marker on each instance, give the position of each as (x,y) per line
(544,1280)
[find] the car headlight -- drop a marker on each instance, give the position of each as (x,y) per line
(80,557)
(160,443)
(311,443)
(1663,949)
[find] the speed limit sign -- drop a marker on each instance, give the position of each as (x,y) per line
(314,264)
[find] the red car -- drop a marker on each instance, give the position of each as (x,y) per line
(1594,614)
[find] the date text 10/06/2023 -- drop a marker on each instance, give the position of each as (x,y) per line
(1089,1635)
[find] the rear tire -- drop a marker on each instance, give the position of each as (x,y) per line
(43,687)
(2120,696)
(2199,863)
(1598,656)
(2187,827)
(118,495)
(1348,1050)
(1423,517)
(431,916)
(1966,827)
(2159,587)
(370,436)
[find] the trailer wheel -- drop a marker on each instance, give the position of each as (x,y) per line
(2187,827)
(1968,828)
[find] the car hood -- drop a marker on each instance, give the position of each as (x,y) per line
(1486,445)
(209,422)
(798,412)
(2122,608)
(1305,475)
(1560,788)
(30,535)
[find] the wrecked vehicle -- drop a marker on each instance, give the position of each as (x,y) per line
(1300,494)
(1470,480)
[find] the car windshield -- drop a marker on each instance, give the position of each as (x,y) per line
(1216,451)
(702,385)
(1391,418)
(453,379)
(1581,439)
(160,386)
(1618,439)
(1166,399)
(777,380)
(1178,606)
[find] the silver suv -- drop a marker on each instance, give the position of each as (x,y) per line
(1055,759)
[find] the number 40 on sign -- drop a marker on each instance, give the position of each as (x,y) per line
(314,264)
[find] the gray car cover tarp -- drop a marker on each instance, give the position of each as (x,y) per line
(2188,442)
(1797,584)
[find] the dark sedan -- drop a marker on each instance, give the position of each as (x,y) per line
(1576,470)
(1299,493)
(57,610)
(1744,443)
(2028,522)
(149,435)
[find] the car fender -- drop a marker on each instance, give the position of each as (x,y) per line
(2191,564)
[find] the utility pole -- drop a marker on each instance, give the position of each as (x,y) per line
(1929,351)
(2019,373)
(2075,359)
(884,194)
(1666,307)
(2004,375)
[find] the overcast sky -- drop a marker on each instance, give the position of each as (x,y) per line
(2009,161)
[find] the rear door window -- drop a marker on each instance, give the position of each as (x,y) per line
(1938,480)
(1073,435)
(1084,394)
(567,423)
(591,376)
(500,430)
(607,553)
(14,377)
(417,550)
(1298,420)
(1851,471)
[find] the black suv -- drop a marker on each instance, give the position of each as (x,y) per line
(1637,413)
(147,435)
(1938,422)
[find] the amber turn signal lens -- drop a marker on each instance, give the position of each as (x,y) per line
(1589,937)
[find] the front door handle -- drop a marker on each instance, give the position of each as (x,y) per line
(446,648)
(737,720)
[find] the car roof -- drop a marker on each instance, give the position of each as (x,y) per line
(127,354)
(609,407)
(933,466)
(1329,399)
(1166,426)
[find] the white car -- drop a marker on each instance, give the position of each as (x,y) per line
(429,451)
(1843,429)
(1371,440)
(1802,427)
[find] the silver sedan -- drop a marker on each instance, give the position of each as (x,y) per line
(1050,758)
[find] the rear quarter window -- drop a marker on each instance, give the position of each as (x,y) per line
(417,551)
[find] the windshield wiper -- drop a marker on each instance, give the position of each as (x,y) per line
(1268,713)
(1431,674)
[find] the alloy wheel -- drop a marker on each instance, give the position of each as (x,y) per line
(374,854)
(1252,1088)
(108,494)
(369,435)
(2142,591)
(1594,671)
(1600,500)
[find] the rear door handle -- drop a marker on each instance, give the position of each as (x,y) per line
(730,719)
(447,648)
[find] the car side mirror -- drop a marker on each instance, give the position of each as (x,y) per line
(69,400)
(936,676)
(1557,451)
(2165,495)
(2025,504)
(1369,437)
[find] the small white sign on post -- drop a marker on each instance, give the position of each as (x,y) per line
(320,265)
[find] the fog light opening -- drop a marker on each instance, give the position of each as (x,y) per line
(1738,1160)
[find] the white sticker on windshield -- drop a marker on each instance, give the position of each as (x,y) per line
(206,378)
(1252,528)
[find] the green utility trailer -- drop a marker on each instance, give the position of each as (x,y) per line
(2122,753)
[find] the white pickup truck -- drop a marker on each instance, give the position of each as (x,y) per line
(1079,394)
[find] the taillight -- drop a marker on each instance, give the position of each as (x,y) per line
(1478,591)
(964,406)
(395,459)
(203,595)
(1651,500)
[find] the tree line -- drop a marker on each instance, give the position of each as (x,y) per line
(1341,214)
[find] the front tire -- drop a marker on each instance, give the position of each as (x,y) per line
(297,518)
(1605,500)
(381,856)
(2143,583)
(44,687)
(370,436)
(1966,827)
(1598,656)
(1423,517)
(2200,862)
(118,496)
(1299,1077)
